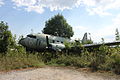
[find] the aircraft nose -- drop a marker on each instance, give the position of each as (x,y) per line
(21,41)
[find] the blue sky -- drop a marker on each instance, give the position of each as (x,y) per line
(98,17)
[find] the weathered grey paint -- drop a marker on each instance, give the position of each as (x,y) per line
(38,41)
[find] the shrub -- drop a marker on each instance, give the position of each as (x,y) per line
(70,60)
(98,57)
(116,62)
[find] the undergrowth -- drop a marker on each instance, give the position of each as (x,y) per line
(19,58)
(103,58)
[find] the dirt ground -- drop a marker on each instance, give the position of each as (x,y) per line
(56,73)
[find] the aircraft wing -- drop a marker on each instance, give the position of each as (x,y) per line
(98,45)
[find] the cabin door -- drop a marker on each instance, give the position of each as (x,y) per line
(47,41)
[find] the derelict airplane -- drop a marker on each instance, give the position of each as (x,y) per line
(41,42)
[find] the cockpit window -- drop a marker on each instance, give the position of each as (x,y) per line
(31,36)
(61,42)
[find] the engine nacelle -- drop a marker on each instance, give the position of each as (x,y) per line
(57,46)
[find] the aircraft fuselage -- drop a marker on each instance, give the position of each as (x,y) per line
(43,41)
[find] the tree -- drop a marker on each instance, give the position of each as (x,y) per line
(117,36)
(5,37)
(58,26)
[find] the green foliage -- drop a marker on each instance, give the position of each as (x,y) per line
(70,61)
(58,26)
(88,42)
(18,58)
(99,57)
(104,58)
(48,56)
(116,62)
(77,45)
(68,45)
(5,37)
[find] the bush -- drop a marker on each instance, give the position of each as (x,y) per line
(104,58)
(70,60)
(48,56)
(116,62)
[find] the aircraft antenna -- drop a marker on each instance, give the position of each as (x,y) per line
(31,31)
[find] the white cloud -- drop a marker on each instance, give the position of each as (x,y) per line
(99,7)
(39,5)
(1,3)
(38,9)
(89,2)
(24,2)
(102,7)
(98,11)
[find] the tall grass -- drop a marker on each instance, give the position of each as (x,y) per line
(19,58)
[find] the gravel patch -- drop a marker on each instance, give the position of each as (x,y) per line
(54,73)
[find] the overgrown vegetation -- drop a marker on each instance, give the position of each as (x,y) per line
(14,56)
(19,58)
(105,58)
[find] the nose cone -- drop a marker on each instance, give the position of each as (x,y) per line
(22,41)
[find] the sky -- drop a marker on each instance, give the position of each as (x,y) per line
(98,17)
